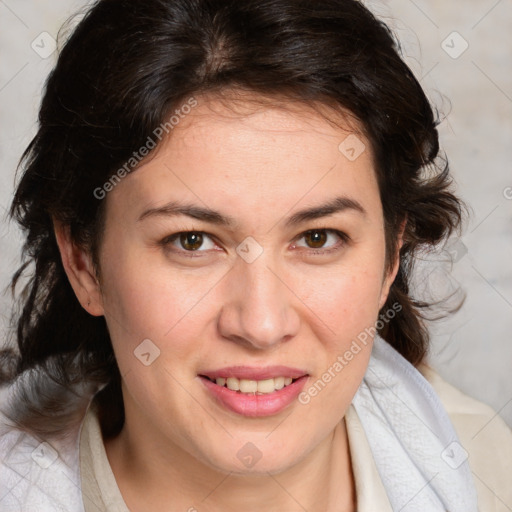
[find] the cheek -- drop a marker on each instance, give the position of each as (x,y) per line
(146,299)
(348,308)
(156,319)
(347,299)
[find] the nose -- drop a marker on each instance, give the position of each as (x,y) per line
(258,307)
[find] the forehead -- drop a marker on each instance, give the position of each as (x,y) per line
(251,152)
(245,120)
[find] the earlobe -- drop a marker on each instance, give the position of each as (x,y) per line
(78,266)
(391,275)
(388,281)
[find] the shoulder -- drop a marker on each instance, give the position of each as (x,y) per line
(37,474)
(39,457)
(485,439)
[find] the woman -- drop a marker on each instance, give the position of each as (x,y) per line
(222,205)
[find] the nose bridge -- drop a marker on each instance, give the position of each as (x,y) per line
(259,306)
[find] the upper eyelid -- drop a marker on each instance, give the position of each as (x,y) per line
(328,230)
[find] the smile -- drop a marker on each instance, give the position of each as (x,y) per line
(254,397)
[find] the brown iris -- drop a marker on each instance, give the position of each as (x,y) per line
(191,241)
(315,239)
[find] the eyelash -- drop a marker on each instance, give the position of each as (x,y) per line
(344,239)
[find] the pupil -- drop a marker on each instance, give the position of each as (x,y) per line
(318,238)
(191,241)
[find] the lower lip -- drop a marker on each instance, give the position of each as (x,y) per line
(255,405)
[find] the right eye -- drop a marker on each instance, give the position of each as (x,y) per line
(188,242)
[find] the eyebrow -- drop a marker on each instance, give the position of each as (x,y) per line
(175,208)
(338,204)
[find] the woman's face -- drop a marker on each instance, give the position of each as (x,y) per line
(258,290)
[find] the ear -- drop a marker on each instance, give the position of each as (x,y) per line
(80,271)
(391,274)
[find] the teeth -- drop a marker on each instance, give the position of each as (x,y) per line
(279,383)
(254,386)
(233,383)
(266,386)
(248,386)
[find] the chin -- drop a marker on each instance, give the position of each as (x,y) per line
(255,458)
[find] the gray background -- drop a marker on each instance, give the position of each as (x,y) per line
(473,90)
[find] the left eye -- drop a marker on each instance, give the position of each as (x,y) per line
(318,238)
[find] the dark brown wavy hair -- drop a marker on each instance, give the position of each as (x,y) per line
(124,68)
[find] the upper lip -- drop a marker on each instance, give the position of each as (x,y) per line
(254,373)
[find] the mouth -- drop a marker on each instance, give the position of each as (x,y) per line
(254,393)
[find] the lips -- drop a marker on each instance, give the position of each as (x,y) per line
(254,402)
